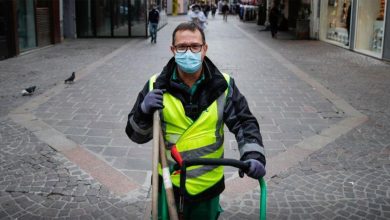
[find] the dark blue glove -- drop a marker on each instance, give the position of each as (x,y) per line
(152,101)
(256,169)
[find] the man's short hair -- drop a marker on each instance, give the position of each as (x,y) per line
(191,26)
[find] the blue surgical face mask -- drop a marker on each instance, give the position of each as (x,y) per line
(189,62)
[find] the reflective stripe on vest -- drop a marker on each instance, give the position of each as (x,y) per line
(194,139)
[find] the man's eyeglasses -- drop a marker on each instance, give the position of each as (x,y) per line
(195,48)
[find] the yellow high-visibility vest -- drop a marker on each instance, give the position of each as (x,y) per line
(202,138)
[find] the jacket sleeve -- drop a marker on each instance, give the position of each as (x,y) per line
(202,17)
(139,125)
(240,121)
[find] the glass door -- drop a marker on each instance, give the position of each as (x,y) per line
(138,18)
(26,24)
(84,18)
(120,17)
(103,18)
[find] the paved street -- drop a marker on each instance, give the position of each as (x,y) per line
(322,110)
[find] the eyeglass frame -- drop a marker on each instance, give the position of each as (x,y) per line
(188,46)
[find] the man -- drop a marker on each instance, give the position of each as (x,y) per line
(213,9)
(194,100)
(225,10)
(154,17)
(273,20)
(197,16)
(206,9)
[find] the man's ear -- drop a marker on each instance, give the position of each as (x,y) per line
(205,47)
(173,49)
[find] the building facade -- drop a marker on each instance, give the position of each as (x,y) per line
(28,24)
(31,24)
(110,18)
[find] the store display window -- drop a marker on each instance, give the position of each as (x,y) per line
(111,18)
(26,25)
(370,26)
(338,21)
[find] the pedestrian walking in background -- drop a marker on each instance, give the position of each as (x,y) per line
(213,9)
(154,18)
(197,16)
(195,100)
(273,20)
(206,9)
(225,11)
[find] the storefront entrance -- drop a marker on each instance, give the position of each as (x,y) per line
(43,23)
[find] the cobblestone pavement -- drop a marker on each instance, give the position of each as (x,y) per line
(48,67)
(36,182)
(347,178)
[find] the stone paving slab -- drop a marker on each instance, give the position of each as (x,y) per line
(48,67)
(101,171)
(36,182)
(341,180)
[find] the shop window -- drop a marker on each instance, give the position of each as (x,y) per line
(370,26)
(338,21)
(121,17)
(84,18)
(103,18)
(138,18)
(26,25)
(110,18)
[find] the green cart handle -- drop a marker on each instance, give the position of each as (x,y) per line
(263,198)
(224,162)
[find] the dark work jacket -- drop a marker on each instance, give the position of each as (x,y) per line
(236,116)
(154,16)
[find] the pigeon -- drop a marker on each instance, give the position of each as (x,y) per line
(29,90)
(71,78)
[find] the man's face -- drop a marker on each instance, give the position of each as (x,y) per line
(188,38)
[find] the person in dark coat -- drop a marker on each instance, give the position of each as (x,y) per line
(225,11)
(154,18)
(273,20)
(195,100)
(213,10)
